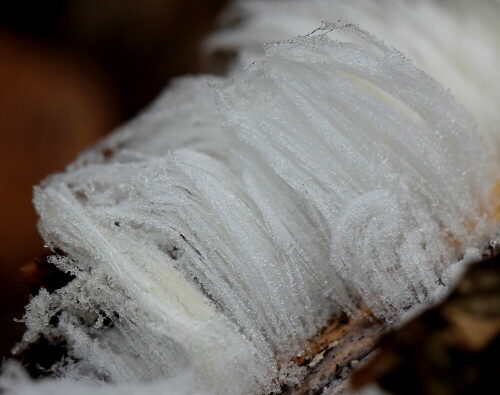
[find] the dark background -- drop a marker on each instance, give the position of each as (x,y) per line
(71,71)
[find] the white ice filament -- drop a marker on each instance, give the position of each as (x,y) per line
(224,227)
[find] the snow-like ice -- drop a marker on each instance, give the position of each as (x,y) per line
(457,42)
(222,228)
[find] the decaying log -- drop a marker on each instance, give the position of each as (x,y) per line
(345,343)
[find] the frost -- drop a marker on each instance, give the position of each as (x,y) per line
(455,41)
(220,230)
(16,382)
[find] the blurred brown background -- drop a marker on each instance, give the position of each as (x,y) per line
(70,71)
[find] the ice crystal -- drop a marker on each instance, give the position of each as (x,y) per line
(222,228)
(455,41)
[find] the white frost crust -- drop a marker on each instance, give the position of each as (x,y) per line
(15,381)
(457,42)
(222,229)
